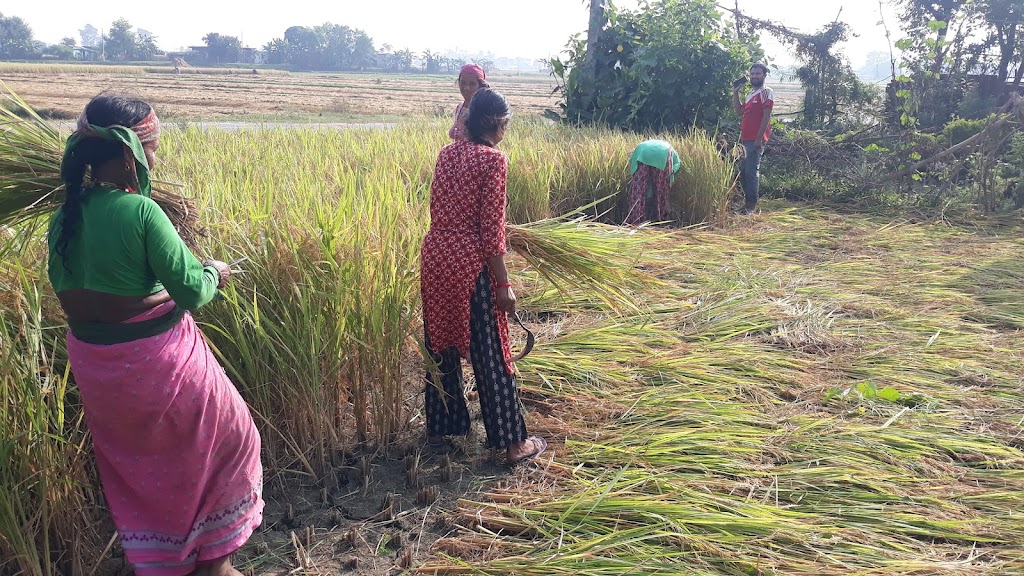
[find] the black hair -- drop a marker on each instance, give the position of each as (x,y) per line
(760,67)
(487,112)
(104,111)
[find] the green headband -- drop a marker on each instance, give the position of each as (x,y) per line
(120,134)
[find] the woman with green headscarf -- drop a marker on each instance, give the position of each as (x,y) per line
(177,450)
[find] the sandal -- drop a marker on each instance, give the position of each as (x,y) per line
(539,443)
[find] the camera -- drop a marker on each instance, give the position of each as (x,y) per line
(739,82)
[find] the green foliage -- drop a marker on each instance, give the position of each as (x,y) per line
(90,35)
(668,65)
(325,47)
(1011,170)
(834,98)
(15,38)
(222,49)
(957,59)
(869,392)
(124,44)
(59,51)
(961,129)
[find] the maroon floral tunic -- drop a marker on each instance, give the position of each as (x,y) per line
(467,226)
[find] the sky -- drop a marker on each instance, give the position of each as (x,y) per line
(527,28)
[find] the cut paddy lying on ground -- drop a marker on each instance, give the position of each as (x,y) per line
(812,392)
(807,391)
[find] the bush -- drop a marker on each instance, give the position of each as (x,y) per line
(668,66)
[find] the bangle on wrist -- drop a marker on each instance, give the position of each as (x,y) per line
(505,285)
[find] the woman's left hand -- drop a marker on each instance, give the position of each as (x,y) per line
(506,299)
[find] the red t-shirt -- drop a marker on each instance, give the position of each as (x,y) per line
(759,102)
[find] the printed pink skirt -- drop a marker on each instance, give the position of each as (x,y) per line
(176,447)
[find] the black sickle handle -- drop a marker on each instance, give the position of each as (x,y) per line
(530,338)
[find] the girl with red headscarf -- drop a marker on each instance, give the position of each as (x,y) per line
(471,79)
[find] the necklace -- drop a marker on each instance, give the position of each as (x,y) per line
(104,183)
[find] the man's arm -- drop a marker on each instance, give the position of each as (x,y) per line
(767,104)
(765,122)
(736,104)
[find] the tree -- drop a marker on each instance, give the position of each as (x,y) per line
(670,65)
(222,49)
(90,36)
(15,38)
(325,47)
(403,60)
(830,85)
(336,47)
(145,47)
(487,64)
(598,18)
(1005,19)
(120,43)
(59,51)
(277,51)
(68,41)
(938,18)
(303,47)
(431,62)
(363,50)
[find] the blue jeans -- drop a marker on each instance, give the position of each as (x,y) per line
(750,177)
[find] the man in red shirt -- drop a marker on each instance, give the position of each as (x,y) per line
(755,129)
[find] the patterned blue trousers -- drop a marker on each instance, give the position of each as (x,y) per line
(447,413)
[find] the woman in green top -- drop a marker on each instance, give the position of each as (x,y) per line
(175,445)
(653,165)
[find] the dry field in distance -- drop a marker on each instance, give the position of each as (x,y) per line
(269,96)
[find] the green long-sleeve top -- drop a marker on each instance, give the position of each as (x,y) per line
(126,245)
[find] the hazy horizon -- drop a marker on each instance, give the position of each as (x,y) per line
(532,29)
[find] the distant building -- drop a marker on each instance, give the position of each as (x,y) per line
(85,53)
(252,56)
(197,54)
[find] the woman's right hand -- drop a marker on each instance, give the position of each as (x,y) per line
(506,299)
(223,272)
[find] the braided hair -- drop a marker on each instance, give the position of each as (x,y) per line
(104,111)
(488,111)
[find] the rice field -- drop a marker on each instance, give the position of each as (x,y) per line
(211,94)
(807,391)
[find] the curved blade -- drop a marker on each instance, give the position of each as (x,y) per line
(530,339)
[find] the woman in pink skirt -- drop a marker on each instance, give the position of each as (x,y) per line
(176,447)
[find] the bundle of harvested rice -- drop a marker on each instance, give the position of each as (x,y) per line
(30,183)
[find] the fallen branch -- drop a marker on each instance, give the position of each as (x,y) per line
(1011,112)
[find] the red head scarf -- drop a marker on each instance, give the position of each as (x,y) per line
(474,70)
(148,130)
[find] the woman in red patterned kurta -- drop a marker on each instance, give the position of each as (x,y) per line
(465,288)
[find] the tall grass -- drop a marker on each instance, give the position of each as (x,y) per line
(705,183)
(320,332)
(46,485)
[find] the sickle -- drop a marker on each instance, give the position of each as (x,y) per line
(530,339)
